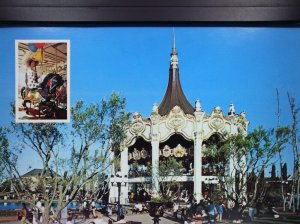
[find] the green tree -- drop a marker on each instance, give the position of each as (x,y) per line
(169,170)
(252,154)
(296,154)
(96,131)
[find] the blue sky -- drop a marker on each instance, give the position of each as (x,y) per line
(218,65)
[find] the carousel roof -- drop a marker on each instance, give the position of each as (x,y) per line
(174,94)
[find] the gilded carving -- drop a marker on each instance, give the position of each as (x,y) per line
(167,151)
(217,120)
(137,126)
(144,153)
(180,151)
(154,118)
(242,120)
(176,119)
(136,154)
(217,123)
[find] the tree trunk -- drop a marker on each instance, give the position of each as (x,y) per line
(46,214)
(279,153)
(295,186)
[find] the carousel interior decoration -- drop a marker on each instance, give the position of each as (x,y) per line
(42,80)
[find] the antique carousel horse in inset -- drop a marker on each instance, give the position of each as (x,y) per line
(48,97)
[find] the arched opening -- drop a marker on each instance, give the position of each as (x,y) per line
(176,166)
(181,150)
(212,167)
(139,161)
(139,156)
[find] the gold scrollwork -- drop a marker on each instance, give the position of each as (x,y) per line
(144,153)
(136,154)
(137,127)
(217,123)
(167,151)
(179,151)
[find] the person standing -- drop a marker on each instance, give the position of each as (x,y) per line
(31,77)
(93,207)
(211,211)
(220,211)
(24,214)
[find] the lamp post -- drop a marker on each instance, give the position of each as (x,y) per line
(119,181)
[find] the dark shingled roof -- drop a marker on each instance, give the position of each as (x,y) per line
(35,172)
(174,94)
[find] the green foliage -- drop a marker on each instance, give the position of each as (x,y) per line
(168,171)
(8,157)
(170,167)
(259,148)
(96,131)
(161,198)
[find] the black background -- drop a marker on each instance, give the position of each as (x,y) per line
(189,12)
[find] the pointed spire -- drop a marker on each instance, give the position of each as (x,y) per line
(174,58)
(174,43)
(174,95)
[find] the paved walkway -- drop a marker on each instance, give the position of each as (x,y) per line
(167,219)
(140,218)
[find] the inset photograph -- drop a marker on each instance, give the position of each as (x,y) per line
(42,81)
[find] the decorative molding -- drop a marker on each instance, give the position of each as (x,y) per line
(199,116)
(243,121)
(217,123)
(176,119)
(137,125)
(155,118)
(217,120)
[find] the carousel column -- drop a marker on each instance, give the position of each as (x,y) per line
(113,191)
(198,166)
(155,164)
(124,171)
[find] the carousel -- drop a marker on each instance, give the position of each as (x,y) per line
(175,129)
(42,73)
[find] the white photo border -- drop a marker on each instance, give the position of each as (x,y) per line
(17,119)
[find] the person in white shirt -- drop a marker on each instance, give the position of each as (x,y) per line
(93,206)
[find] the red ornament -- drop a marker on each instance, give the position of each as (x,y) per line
(39,45)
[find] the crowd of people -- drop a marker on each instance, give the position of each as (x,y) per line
(184,208)
(209,211)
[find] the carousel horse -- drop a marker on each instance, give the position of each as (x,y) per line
(48,97)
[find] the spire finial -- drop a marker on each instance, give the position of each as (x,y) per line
(174,58)
(174,43)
